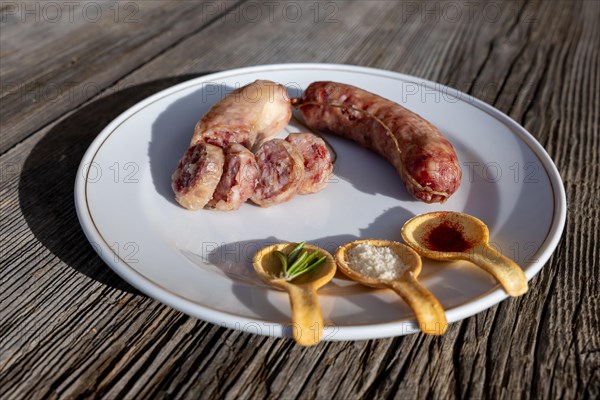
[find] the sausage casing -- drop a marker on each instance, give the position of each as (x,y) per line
(249,115)
(424,158)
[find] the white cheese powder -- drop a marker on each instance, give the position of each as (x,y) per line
(376,262)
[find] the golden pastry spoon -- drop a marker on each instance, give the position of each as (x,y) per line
(428,310)
(306,311)
(454,236)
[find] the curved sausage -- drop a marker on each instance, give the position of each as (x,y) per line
(197,175)
(424,158)
(317,161)
(281,172)
(248,115)
(239,179)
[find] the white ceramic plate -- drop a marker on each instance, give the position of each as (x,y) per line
(200,262)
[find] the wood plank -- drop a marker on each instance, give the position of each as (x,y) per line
(56,55)
(75,329)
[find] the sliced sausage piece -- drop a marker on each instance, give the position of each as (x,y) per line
(423,157)
(281,172)
(197,175)
(239,179)
(317,161)
(248,115)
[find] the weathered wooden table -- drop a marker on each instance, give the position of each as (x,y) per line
(71,328)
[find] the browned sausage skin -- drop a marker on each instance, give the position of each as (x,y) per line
(197,175)
(424,158)
(249,115)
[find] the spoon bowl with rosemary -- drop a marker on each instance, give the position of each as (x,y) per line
(300,269)
(452,236)
(388,264)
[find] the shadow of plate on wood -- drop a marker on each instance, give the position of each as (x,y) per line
(49,172)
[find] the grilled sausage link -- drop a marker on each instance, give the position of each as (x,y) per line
(424,158)
(249,116)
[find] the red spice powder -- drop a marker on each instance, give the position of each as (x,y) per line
(447,237)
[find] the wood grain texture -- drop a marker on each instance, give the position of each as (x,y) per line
(71,328)
(56,56)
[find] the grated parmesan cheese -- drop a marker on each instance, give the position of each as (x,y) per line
(376,262)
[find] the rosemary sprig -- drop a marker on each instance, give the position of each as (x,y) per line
(283,259)
(294,253)
(299,262)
